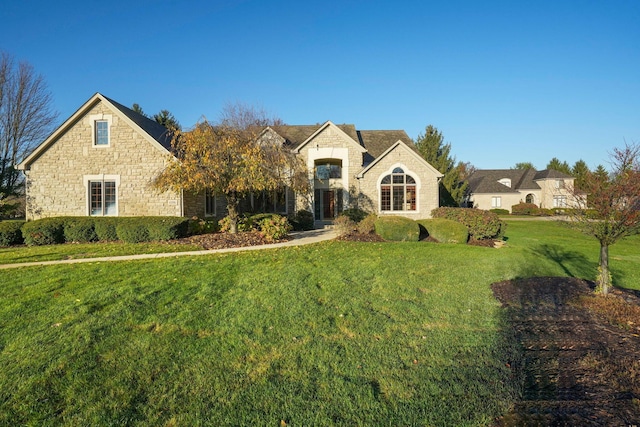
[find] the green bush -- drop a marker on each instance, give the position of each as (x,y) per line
(302,221)
(79,230)
(243,225)
(202,226)
(355,214)
(132,230)
(274,227)
(10,233)
(344,225)
(46,231)
(397,228)
(166,228)
(253,221)
(481,224)
(525,209)
(500,211)
(445,230)
(367,225)
(105,228)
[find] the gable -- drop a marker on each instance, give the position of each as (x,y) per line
(331,131)
(407,151)
(157,135)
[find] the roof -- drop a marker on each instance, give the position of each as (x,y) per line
(153,132)
(154,129)
(486,180)
(295,135)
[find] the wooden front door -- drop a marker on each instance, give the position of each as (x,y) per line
(328,204)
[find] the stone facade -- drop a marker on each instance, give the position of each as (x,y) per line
(58,180)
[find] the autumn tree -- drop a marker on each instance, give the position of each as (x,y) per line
(26,118)
(233,157)
(556,164)
(608,206)
(432,148)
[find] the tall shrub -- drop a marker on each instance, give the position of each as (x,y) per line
(46,231)
(10,233)
(481,224)
(397,228)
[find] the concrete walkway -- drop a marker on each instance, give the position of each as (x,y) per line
(298,238)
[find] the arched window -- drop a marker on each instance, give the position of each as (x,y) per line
(398,192)
(530,198)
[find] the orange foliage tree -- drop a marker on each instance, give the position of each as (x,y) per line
(233,157)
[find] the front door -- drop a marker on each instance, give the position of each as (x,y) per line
(328,204)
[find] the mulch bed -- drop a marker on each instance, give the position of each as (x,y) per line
(225,240)
(578,368)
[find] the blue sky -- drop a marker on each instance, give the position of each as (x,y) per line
(504,81)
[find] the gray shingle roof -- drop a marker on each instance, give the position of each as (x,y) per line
(153,128)
(295,135)
(486,180)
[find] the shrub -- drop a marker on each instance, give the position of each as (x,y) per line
(397,228)
(10,233)
(105,228)
(274,227)
(344,225)
(79,229)
(46,231)
(445,230)
(355,214)
(500,211)
(302,220)
(367,225)
(202,226)
(132,230)
(225,224)
(525,209)
(166,228)
(253,222)
(481,224)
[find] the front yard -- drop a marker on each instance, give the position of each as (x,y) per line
(337,333)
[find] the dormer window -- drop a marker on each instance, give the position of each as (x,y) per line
(505,182)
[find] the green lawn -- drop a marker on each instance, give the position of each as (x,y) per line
(335,333)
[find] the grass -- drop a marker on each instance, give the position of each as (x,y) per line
(335,333)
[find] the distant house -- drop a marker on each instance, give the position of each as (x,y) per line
(101,162)
(503,188)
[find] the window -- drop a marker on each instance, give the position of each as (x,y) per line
(270,201)
(102,198)
(496,202)
(102,132)
(398,192)
(329,170)
(559,183)
(559,201)
(209,204)
(505,181)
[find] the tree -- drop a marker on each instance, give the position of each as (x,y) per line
(26,118)
(608,206)
(579,171)
(432,148)
(556,164)
(523,165)
(234,158)
(166,119)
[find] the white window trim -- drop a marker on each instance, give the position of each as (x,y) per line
(498,202)
(407,171)
(93,118)
(86,179)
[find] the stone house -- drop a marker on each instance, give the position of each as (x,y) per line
(102,160)
(503,188)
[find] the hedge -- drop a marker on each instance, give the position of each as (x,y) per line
(525,209)
(10,233)
(397,228)
(79,230)
(481,224)
(46,231)
(302,220)
(445,230)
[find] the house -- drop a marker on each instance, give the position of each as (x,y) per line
(102,161)
(503,188)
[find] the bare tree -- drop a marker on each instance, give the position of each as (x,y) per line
(608,206)
(26,118)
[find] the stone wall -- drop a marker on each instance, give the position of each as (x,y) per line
(58,179)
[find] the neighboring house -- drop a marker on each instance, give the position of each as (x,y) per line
(102,161)
(503,188)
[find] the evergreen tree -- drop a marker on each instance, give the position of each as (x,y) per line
(580,171)
(556,164)
(523,165)
(432,148)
